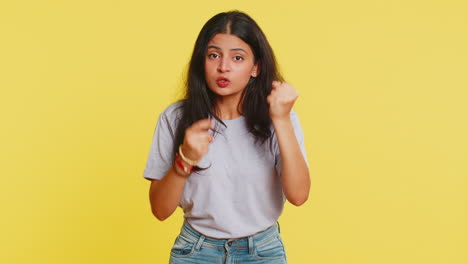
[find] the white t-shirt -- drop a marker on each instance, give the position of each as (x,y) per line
(240,193)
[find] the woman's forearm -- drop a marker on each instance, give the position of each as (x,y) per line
(294,171)
(165,194)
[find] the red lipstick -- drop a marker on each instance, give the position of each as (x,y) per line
(222,82)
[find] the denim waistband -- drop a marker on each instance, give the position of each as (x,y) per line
(258,238)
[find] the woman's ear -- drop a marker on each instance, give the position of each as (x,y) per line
(255,71)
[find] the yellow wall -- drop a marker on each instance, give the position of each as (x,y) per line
(383,104)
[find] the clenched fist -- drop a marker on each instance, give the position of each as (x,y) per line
(281,100)
(197,139)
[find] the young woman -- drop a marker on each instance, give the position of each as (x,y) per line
(231,152)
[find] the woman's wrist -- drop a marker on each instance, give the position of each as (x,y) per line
(186,159)
(278,121)
(181,167)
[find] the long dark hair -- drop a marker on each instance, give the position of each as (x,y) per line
(199,101)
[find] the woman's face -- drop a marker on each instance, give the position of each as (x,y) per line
(229,64)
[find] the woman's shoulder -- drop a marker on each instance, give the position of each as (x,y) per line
(170,116)
(173,111)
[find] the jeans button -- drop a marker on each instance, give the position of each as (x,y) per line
(229,243)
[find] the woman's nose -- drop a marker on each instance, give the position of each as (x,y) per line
(224,65)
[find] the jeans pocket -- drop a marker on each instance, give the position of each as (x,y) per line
(183,247)
(271,250)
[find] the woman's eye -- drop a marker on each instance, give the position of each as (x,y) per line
(238,58)
(213,55)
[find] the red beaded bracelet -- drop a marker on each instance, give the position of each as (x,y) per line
(181,165)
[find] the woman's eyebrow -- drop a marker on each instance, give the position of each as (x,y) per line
(216,47)
(240,49)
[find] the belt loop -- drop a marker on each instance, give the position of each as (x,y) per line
(200,242)
(251,245)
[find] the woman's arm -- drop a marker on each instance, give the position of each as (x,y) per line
(165,194)
(294,171)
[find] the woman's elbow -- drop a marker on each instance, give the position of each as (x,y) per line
(159,216)
(298,201)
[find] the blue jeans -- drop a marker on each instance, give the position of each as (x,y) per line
(264,247)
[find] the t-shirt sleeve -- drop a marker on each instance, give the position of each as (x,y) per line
(160,156)
(300,139)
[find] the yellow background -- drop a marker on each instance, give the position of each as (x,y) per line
(383,105)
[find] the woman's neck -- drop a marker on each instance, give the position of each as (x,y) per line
(227,108)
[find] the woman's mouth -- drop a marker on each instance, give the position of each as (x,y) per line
(222,82)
